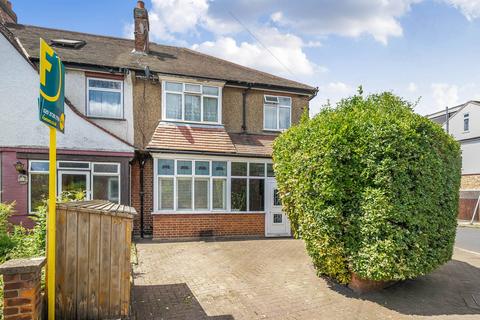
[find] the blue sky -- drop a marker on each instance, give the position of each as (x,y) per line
(427,49)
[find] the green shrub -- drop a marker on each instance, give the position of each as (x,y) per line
(371,187)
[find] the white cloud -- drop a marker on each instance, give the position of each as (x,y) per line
(469,8)
(444,94)
(412,87)
(287,48)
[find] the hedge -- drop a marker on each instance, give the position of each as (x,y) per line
(371,187)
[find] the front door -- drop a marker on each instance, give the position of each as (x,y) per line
(73,181)
(276,222)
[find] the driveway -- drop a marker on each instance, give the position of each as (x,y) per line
(274,279)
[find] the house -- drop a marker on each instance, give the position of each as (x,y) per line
(202,128)
(93,155)
(464,125)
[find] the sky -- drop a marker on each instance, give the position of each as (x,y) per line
(427,51)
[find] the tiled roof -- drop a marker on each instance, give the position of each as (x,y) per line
(191,138)
(216,140)
(110,52)
(253,144)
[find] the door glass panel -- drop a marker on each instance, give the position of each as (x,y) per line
(72,182)
(276,198)
(277,218)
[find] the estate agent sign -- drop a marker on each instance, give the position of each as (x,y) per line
(52,84)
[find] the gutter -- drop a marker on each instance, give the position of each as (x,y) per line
(207,153)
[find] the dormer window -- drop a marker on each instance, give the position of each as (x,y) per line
(466,122)
(277,113)
(189,102)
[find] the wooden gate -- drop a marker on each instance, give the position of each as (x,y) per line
(93,260)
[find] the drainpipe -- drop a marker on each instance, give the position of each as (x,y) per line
(244,109)
(141,161)
(447,119)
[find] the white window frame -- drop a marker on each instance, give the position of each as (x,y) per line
(89,170)
(466,116)
(30,171)
(277,106)
(200,94)
(228,179)
(121,91)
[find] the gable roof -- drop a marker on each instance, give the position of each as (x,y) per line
(111,52)
(440,116)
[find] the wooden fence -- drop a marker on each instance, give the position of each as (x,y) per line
(93,260)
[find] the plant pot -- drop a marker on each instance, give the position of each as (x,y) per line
(360,285)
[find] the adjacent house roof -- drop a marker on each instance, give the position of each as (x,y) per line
(199,139)
(110,52)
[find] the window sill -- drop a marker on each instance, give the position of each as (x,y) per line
(274,131)
(105,118)
(212,124)
(204,212)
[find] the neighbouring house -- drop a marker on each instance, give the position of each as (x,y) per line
(95,152)
(464,125)
(202,129)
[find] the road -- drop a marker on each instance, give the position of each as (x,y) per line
(468,239)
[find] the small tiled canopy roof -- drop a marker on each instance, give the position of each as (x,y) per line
(115,53)
(172,137)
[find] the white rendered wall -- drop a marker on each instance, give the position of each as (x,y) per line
(471,157)
(20,125)
(456,122)
(75,90)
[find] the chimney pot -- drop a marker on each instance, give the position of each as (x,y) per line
(140,4)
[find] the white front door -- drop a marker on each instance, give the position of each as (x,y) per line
(72,181)
(276,222)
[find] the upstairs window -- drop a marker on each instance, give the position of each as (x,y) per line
(466,122)
(277,113)
(104,98)
(191,102)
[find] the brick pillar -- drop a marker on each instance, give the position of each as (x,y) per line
(22,297)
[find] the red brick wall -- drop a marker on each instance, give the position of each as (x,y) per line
(148,198)
(199,225)
(465,209)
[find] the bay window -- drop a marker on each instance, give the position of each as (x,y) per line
(209,186)
(191,102)
(277,113)
(104,98)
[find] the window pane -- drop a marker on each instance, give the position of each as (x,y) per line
(39,166)
(219,194)
(256,194)
(270,117)
(173,86)
(239,168)
(165,167)
(192,87)
(184,167)
(173,106)
(184,193)
(105,168)
(257,169)
(202,168)
(38,190)
(239,194)
(270,172)
(284,118)
(284,101)
(105,104)
(74,165)
(105,84)
(201,193)
(210,109)
(165,193)
(219,168)
(271,99)
(212,91)
(73,182)
(192,108)
(106,188)
(466,124)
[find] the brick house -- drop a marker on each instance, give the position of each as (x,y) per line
(202,129)
(205,128)
(463,124)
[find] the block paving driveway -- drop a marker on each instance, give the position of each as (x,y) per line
(274,279)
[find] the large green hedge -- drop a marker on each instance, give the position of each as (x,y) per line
(371,187)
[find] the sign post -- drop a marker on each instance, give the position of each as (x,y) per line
(52,113)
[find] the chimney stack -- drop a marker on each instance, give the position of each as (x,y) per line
(6,12)
(140,15)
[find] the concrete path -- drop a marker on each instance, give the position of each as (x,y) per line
(274,279)
(468,238)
